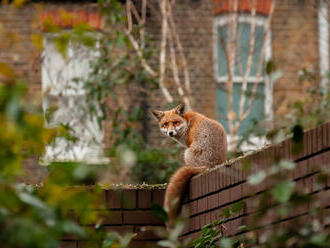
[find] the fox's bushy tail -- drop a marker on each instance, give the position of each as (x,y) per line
(176,187)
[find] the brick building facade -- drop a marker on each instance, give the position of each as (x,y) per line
(295,44)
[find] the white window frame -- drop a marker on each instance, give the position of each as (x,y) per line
(80,151)
(222,20)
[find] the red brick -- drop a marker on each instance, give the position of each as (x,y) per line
(199,186)
(191,189)
(144,198)
(220,198)
(301,169)
(113,199)
(129,199)
(108,217)
(140,217)
(235,224)
(120,229)
(217,179)
(193,207)
(158,196)
(236,193)
(319,139)
(205,184)
(212,201)
(305,146)
(212,181)
(208,218)
(326,135)
(202,219)
(224,176)
(88,244)
(221,183)
(186,227)
(68,244)
(310,142)
(192,223)
(202,204)
(145,233)
(315,140)
(143,244)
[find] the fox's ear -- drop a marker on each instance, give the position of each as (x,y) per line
(180,109)
(157,114)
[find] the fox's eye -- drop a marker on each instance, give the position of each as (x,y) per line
(176,123)
(165,124)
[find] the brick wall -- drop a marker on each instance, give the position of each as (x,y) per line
(209,193)
(220,188)
(126,211)
(294,47)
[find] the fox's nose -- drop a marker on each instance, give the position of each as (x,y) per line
(171,133)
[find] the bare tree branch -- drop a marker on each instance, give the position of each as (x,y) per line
(260,65)
(249,59)
(181,53)
(162,56)
(231,49)
(143,22)
(176,74)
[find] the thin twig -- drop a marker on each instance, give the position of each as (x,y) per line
(260,64)
(181,53)
(162,55)
(249,60)
(231,49)
(174,67)
(143,22)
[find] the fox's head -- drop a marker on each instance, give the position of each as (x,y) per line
(172,122)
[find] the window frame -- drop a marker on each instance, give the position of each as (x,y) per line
(74,94)
(223,19)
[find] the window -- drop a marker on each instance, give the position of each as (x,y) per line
(62,91)
(262,104)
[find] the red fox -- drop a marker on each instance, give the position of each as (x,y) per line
(206,144)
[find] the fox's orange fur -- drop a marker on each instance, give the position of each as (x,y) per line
(206,144)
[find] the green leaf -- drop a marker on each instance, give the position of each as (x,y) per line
(165,243)
(159,212)
(177,230)
(62,43)
(288,165)
(226,213)
(282,191)
(257,178)
(126,240)
(238,206)
(7,71)
(275,76)
(31,200)
(319,240)
(226,243)
(110,240)
(71,227)
(270,67)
